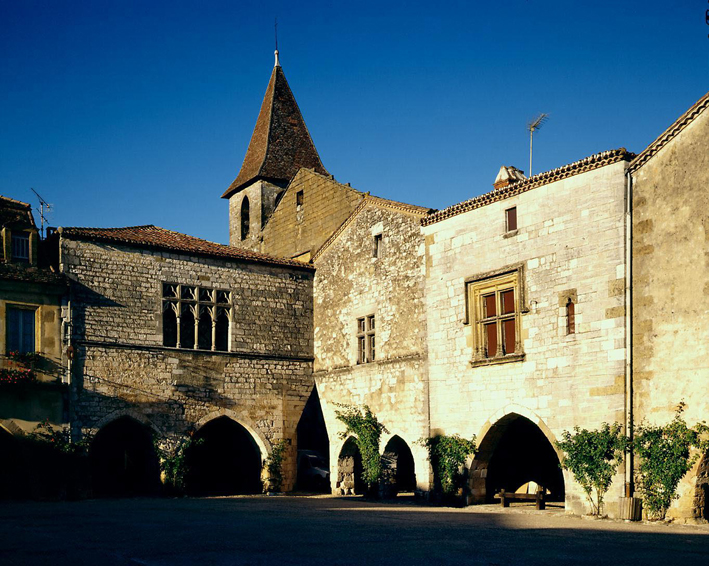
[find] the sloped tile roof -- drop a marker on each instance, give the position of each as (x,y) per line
(376,201)
(150,236)
(15,212)
(281,143)
(575,168)
(668,135)
(30,274)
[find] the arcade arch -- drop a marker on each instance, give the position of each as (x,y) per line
(513,452)
(123,459)
(224,460)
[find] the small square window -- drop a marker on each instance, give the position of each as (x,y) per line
(511,219)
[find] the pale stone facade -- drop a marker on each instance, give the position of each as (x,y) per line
(569,242)
(670,291)
(373,267)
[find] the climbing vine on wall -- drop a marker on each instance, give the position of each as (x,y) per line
(447,455)
(274,465)
(367,430)
(174,464)
(664,457)
(593,456)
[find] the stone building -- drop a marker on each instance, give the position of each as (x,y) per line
(507,316)
(171,336)
(670,274)
(30,326)
(570,298)
(370,339)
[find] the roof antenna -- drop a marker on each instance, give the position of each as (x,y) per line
(44,206)
(275,28)
(533,126)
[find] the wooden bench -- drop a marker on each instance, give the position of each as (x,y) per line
(505,497)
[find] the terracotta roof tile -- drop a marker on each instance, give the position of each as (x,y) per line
(30,274)
(159,238)
(575,168)
(15,212)
(281,143)
(682,122)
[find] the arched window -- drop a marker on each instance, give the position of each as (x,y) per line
(245,218)
(570,317)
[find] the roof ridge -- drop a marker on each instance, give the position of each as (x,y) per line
(15,201)
(670,133)
(569,170)
(181,243)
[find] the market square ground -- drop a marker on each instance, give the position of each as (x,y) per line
(260,530)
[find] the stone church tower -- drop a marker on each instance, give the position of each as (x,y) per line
(280,146)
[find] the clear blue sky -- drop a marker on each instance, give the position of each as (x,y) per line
(139,112)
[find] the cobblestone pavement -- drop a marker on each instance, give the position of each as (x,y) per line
(262,530)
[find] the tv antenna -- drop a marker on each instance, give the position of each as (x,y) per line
(533,126)
(44,208)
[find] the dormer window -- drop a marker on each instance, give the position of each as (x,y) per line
(21,246)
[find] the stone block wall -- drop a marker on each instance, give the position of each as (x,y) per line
(351,283)
(569,242)
(670,289)
(121,367)
(299,230)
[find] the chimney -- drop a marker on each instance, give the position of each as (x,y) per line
(507,176)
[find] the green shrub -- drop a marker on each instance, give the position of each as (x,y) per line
(367,431)
(593,456)
(274,465)
(447,455)
(174,464)
(664,457)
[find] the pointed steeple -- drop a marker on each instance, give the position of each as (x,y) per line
(281,143)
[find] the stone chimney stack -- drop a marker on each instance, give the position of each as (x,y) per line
(507,176)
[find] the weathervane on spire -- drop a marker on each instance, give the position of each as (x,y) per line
(275,28)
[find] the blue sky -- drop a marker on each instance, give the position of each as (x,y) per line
(138,112)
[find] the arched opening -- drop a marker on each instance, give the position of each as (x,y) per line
(701,498)
(398,467)
(204,330)
(225,460)
(513,453)
(245,218)
(123,460)
(313,448)
(349,470)
(12,481)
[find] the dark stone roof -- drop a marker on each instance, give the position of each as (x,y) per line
(30,274)
(15,213)
(281,143)
(154,237)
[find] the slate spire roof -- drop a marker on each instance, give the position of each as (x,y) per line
(281,143)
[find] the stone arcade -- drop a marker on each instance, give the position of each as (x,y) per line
(549,302)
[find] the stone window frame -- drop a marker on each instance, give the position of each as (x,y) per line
(245,218)
(197,300)
(378,246)
(366,339)
(495,282)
